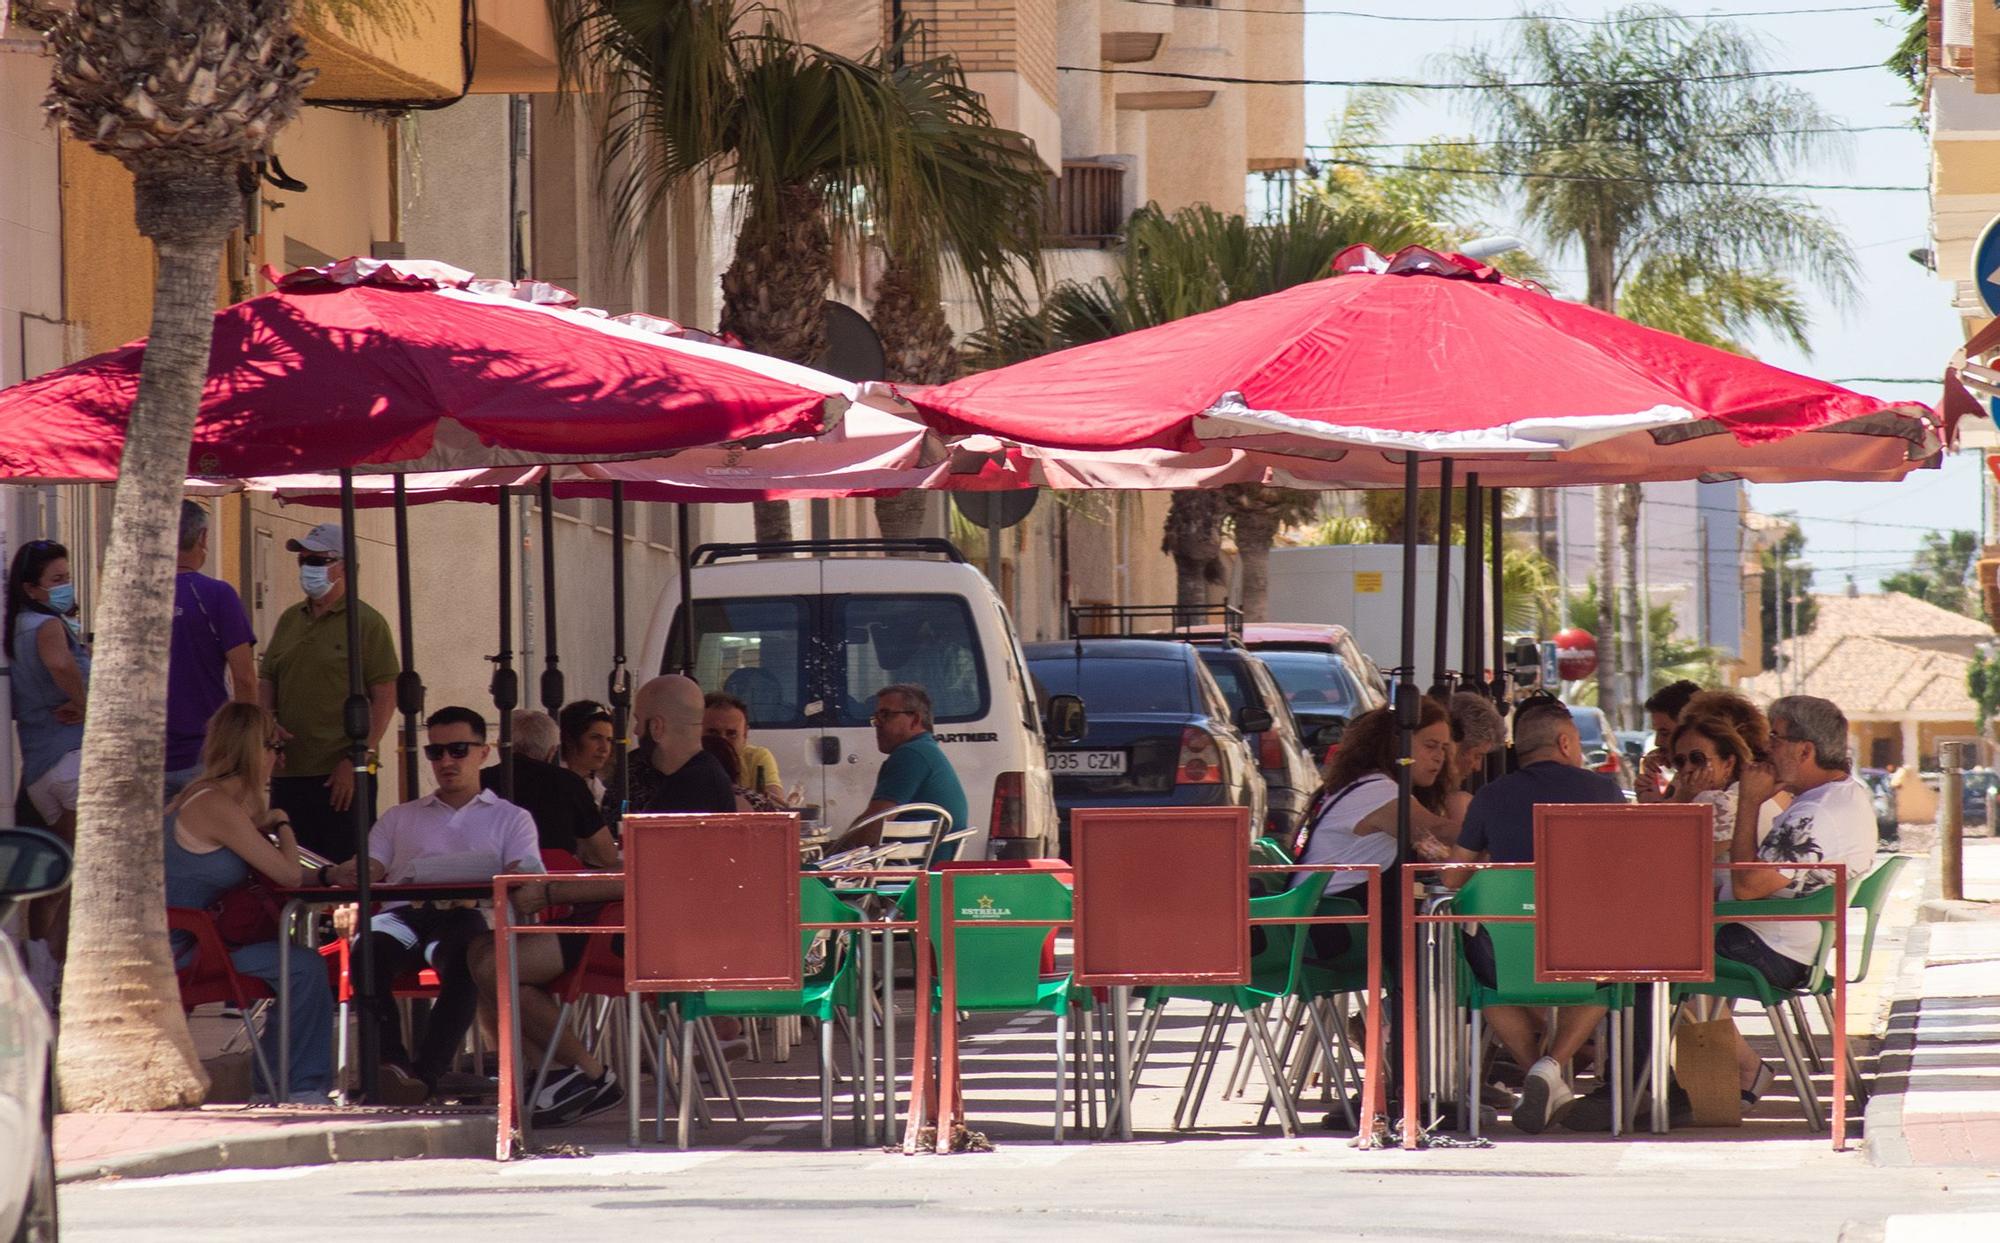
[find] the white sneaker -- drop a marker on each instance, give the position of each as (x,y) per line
(1545,1097)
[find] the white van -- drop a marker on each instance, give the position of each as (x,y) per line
(806,641)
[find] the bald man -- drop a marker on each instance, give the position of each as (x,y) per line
(670,772)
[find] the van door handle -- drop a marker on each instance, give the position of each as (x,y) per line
(829,749)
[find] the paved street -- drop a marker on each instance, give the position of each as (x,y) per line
(1771,1192)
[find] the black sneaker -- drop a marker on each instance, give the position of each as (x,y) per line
(561,1095)
(603,1095)
(1593,1112)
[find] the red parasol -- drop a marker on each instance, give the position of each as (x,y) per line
(409,365)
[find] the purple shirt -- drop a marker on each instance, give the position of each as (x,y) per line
(208,622)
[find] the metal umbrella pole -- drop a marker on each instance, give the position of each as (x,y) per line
(1496,759)
(506,685)
(682,538)
(552,678)
(1473,563)
(409,686)
(1441,680)
(1407,719)
(619,687)
(354,719)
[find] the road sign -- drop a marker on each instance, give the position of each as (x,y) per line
(1986,267)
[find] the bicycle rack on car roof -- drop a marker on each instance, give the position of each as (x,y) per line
(709,554)
(1155,621)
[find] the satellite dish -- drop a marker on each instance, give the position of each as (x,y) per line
(853,351)
(996,511)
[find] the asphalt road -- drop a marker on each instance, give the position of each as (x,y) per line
(1760,1192)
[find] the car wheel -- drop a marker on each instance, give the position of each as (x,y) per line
(38,1220)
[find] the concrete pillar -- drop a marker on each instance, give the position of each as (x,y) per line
(1912,751)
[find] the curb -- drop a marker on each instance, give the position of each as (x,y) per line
(325,1144)
(1882,1121)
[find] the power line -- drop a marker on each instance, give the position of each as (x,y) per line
(1521,17)
(1719,183)
(1542,146)
(1233,80)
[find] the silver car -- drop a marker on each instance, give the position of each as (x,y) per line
(32,863)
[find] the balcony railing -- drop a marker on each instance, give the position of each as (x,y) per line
(1086,205)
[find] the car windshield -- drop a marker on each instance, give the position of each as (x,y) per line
(1315,683)
(1589,727)
(1116,687)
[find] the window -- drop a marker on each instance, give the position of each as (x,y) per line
(755,649)
(1313,682)
(928,640)
(1233,678)
(1116,687)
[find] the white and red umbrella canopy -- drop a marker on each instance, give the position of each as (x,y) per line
(412,365)
(1445,357)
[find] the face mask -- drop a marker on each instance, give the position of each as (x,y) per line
(63,599)
(316,579)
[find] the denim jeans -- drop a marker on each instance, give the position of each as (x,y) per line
(311,1001)
(1740,944)
(179,779)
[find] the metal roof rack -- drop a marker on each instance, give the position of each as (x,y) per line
(709,554)
(1154,621)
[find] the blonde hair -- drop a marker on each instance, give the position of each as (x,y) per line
(236,739)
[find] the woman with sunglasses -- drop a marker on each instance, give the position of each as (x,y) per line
(221,832)
(1718,738)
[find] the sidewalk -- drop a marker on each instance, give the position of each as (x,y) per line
(1937,1088)
(221,1137)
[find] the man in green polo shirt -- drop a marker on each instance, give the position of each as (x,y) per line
(916,770)
(303,680)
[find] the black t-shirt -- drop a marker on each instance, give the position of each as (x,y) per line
(701,784)
(1501,819)
(558,799)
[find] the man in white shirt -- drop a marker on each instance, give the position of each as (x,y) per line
(458,832)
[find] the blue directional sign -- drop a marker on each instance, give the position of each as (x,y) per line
(1986,267)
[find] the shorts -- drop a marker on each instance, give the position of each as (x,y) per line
(1742,944)
(54,792)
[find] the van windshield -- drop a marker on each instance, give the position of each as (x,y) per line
(797,661)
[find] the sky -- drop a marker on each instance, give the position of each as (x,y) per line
(1900,328)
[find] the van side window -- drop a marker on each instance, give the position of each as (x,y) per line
(926,639)
(756,649)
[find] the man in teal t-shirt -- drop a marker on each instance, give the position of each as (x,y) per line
(916,770)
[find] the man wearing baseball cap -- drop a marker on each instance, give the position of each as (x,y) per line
(303,680)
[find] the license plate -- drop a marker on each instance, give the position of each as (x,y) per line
(1087,763)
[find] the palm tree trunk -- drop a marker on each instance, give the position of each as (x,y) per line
(772,296)
(125,1043)
(1193,538)
(918,348)
(1631,612)
(1256,530)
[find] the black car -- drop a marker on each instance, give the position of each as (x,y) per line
(1322,692)
(1290,775)
(1157,730)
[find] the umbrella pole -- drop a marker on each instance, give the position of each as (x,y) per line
(619,687)
(1407,719)
(354,719)
(409,687)
(683,537)
(552,678)
(1472,565)
(506,684)
(1441,679)
(1496,759)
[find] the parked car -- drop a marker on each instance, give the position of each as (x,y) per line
(32,863)
(1259,708)
(1601,751)
(1327,679)
(1884,797)
(805,641)
(1157,730)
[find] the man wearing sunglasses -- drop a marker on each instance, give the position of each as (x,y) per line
(917,770)
(459,831)
(303,681)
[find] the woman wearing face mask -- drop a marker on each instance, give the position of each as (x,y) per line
(50,680)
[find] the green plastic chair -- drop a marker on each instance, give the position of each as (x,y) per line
(826,993)
(1511,891)
(999,970)
(1276,972)
(1737,981)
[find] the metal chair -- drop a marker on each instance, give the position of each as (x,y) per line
(917,830)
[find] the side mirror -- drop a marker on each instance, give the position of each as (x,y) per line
(1064,720)
(32,863)
(1329,734)
(1254,720)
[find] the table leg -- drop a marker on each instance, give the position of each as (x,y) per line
(1121,1010)
(1662,1030)
(634,1033)
(865,947)
(283,1088)
(888,984)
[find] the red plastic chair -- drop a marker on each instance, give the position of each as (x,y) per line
(211,977)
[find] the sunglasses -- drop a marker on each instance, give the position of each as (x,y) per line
(275,744)
(882,715)
(456,750)
(318,559)
(1693,759)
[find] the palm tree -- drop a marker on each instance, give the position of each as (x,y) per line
(985,190)
(1640,143)
(185,95)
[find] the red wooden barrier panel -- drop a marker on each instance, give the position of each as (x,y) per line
(1162,895)
(712,901)
(1624,893)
